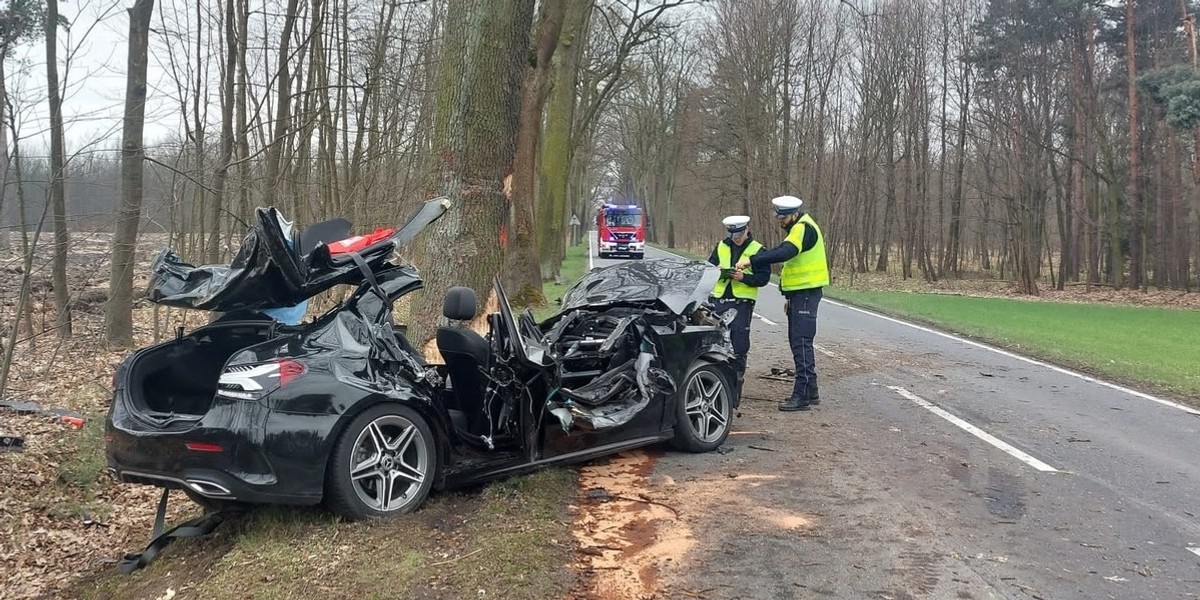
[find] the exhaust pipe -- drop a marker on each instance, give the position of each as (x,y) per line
(208,488)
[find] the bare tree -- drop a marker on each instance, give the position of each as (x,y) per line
(118,315)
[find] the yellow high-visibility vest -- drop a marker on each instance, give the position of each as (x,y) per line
(725,258)
(808,269)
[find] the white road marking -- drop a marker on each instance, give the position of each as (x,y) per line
(1194,550)
(765,320)
(827,352)
(973,430)
(1187,409)
(1032,361)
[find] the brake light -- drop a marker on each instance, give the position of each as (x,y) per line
(288,371)
(253,381)
(203,447)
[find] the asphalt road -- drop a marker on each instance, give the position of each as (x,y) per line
(939,467)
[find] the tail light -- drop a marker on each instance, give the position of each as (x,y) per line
(253,381)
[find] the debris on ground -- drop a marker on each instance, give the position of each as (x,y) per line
(780,374)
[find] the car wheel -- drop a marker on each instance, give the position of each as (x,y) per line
(214,505)
(383,464)
(703,409)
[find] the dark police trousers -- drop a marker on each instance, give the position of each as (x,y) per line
(802,328)
(739,332)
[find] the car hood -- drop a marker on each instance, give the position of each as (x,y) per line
(677,284)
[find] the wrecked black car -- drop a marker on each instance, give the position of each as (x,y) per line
(343,410)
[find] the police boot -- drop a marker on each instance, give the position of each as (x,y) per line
(794,403)
(814,397)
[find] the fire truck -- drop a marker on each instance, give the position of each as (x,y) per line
(621,230)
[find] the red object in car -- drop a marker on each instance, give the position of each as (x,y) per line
(358,242)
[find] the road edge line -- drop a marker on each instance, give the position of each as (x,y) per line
(975,431)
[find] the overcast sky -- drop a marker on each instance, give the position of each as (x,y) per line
(95,49)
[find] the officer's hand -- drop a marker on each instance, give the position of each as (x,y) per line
(737,275)
(743,264)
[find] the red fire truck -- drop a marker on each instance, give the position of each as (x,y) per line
(622,230)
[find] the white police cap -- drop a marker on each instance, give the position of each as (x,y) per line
(786,205)
(736,223)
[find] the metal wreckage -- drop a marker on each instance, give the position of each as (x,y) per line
(257,407)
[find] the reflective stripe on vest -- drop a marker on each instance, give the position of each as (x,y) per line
(807,269)
(725,258)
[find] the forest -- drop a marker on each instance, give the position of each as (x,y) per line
(1043,142)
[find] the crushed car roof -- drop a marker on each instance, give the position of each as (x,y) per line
(677,284)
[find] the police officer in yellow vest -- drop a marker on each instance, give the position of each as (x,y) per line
(737,289)
(805,273)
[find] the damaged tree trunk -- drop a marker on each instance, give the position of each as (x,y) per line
(475,125)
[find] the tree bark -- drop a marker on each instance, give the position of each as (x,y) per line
(523,268)
(554,165)
(118,314)
(283,115)
(475,126)
(1135,199)
(58,192)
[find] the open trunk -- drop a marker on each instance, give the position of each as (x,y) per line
(178,379)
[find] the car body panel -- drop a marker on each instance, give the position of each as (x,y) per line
(610,362)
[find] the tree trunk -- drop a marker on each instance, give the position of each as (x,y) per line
(555,163)
(5,244)
(473,148)
(283,115)
(58,192)
(1135,199)
(523,267)
(118,314)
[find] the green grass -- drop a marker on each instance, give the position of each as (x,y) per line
(573,267)
(1136,344)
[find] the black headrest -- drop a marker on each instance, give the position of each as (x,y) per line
(324,232)
(460,303)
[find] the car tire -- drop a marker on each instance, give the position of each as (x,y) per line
(602,254)
(383,464)
(703,408)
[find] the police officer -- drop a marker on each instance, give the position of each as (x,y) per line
(805,273)
(737,289)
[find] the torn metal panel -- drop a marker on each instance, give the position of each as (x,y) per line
(272,269)
(628,378)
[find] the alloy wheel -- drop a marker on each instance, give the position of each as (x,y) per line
(706,405)
(389,463)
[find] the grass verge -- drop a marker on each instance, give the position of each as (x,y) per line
(1154,346)
(574,266)
(507,540)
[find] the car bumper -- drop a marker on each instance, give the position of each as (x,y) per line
(238,451)
(618,248)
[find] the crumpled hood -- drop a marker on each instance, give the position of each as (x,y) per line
(678,284)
